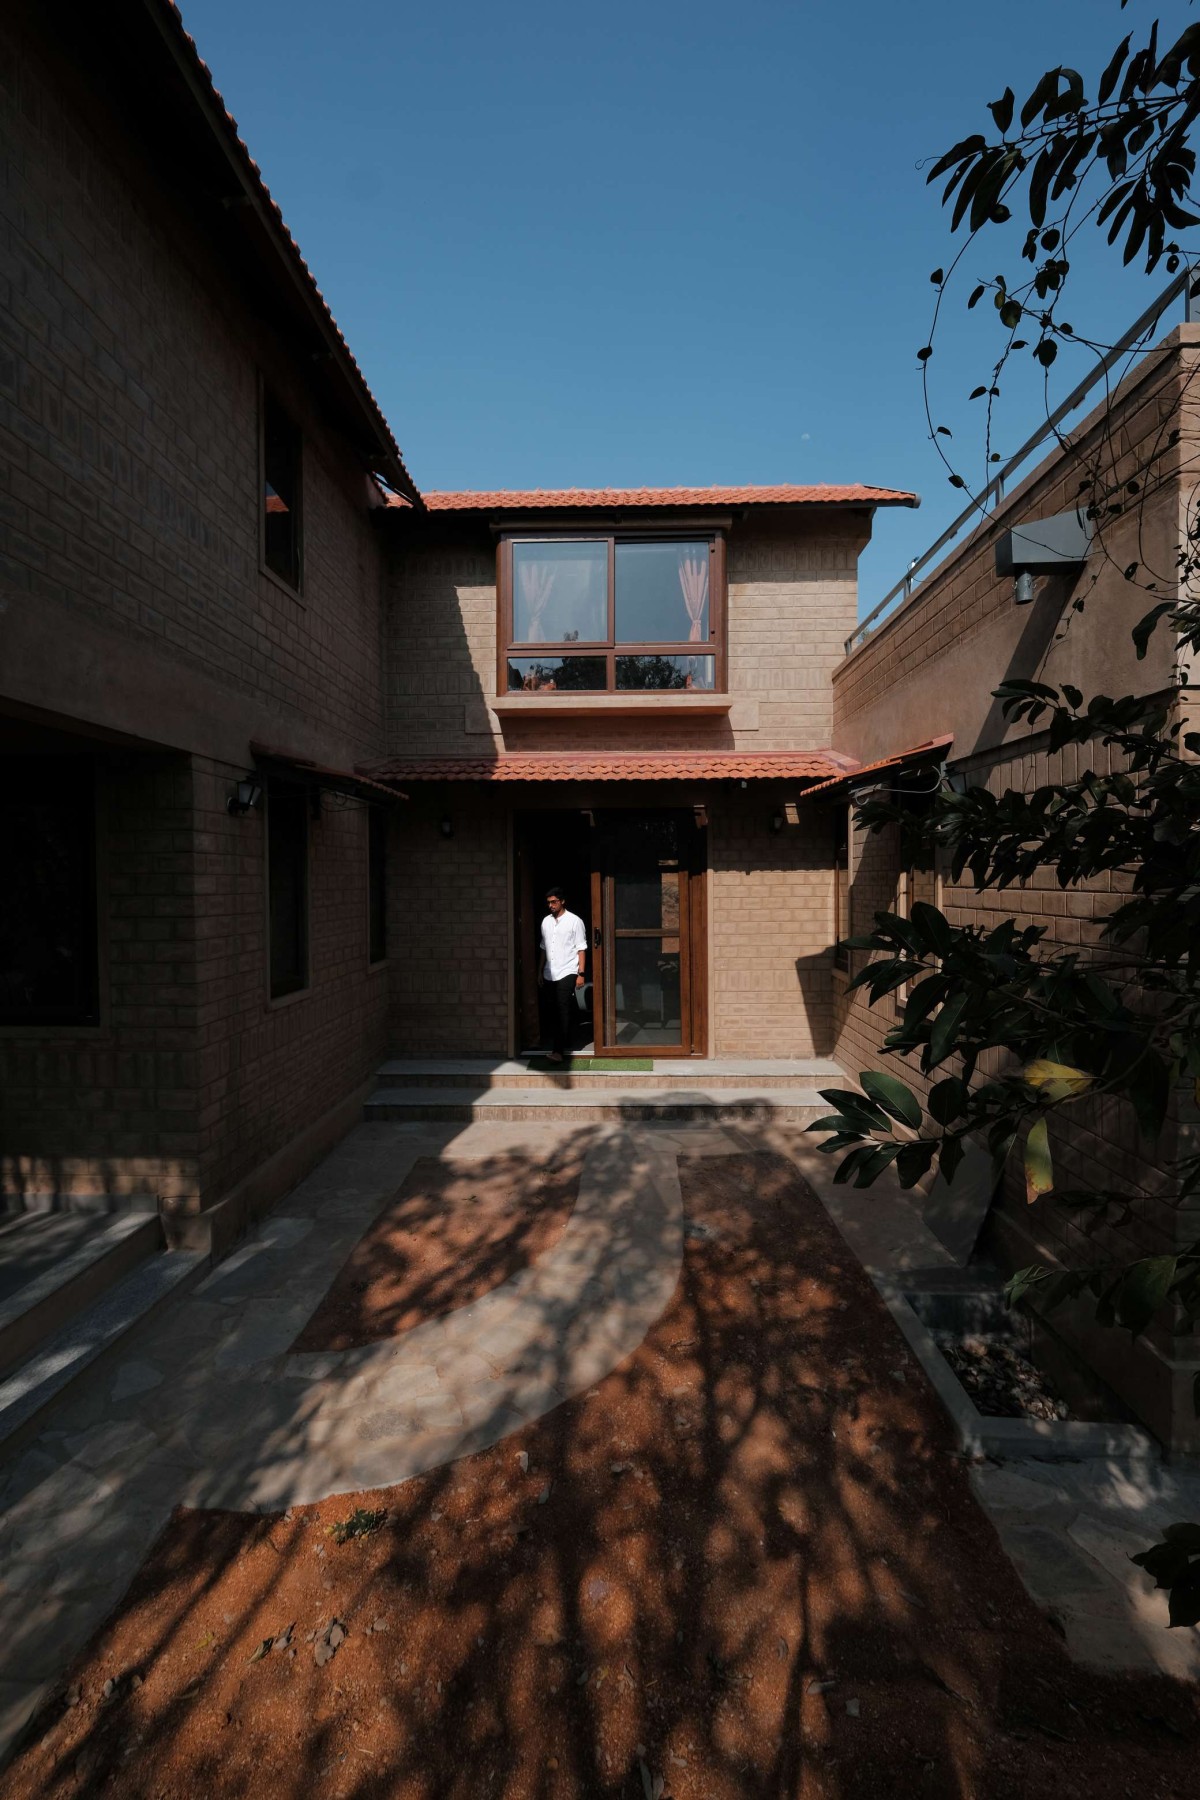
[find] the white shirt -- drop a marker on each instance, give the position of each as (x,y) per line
(562,939)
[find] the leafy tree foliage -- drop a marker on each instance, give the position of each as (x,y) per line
(1010,1028)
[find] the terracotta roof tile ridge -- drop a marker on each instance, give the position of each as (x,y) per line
(171,12)
(780,493)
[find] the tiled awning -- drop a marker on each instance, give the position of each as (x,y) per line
(898,760)
(684,765)
(337,781)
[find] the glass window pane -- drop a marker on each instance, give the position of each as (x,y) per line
(560,593)
(648,902)
(546,674)
(281,493)
(647,992)
(691,674)
(662,593)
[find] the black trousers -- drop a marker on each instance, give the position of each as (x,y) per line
(560,1005)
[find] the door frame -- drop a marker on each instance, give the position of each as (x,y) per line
(693,943)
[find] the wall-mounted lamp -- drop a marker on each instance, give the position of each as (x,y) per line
(1057,546)
(244,797)
(777,821)
(447,827)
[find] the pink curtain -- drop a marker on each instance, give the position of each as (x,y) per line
(536,584)
(693,579)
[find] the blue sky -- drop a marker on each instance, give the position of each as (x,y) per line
(655,243)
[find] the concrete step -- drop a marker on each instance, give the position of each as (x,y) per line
(793,1104)
(30,1390)
(689,1072)
(53,1265)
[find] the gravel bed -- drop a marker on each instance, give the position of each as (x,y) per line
(1002,1383)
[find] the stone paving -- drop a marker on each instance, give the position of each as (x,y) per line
(207,1407)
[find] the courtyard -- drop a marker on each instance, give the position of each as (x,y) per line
(551,1459)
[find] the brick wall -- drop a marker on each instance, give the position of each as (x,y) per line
(792,602)
(930,670)
(771,920)
(451,917)
(134,603)
(113,1110)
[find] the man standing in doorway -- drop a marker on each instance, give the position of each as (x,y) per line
(564,956)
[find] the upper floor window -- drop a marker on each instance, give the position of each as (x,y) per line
(280,491)
(610,614)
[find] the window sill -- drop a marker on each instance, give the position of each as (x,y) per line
(275,1001)
(585,705)
(285,587)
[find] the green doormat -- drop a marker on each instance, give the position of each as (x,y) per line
(594,1065)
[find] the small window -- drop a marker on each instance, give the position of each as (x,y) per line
(281,492)
(287,883)
(609,614)
(48,925)
(377,823)
(841,886)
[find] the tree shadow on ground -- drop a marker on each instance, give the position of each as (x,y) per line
(746,1563)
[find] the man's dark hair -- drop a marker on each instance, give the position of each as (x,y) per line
(556,893)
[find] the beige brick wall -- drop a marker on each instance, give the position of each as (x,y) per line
(792,602)
(771,920)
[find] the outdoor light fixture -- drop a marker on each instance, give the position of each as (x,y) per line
(777,821)
(1057,546)
(244,797)
(447,827)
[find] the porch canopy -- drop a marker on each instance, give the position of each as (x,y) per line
(848,782)
(351,783)
(822,766)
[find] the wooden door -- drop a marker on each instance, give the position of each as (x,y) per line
(648,953)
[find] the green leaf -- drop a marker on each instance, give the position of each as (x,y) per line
(894,1097)
(946,1099)
(1039,1170)
(945,1028)
(1002,110)
(1143,1291)
(914,1161)
(933,927)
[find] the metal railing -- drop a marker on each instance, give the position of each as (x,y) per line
(1187,283)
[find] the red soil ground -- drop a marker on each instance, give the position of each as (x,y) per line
(454,1231)
(747,1562)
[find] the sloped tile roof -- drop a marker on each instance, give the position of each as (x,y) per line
(893,761)
(223,121)
(629,765)
(823,494)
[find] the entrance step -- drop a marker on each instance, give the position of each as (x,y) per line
(87,1336)
(55,1264)
(689,1072)
(791,1103)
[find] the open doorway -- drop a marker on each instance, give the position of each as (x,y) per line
(551,848)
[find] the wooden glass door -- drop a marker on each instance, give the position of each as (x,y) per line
(647,934)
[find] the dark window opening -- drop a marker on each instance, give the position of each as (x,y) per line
(281,492)
(49,965)
(841,886)
(377,824)
(287,887)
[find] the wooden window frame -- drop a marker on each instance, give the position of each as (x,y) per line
(267,395)
(608,648)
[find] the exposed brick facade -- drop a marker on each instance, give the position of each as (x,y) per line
(935,662)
